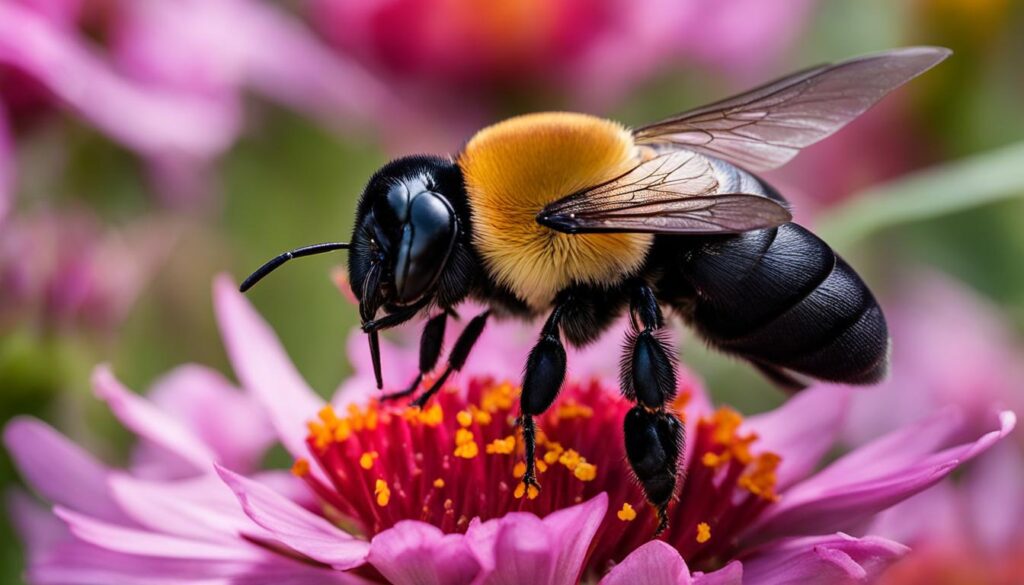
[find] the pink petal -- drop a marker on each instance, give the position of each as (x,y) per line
(142,542)
(6,165)
(995,504)
(802,430)
(37,527)
(264,368)
(60,470)
(654,563)
(229,423)
(202,508)
(810,507)
(731,574)
(413,552)
(824,560)
(525,552)
(295,526)
(572,529)
(147,120)
(142,417)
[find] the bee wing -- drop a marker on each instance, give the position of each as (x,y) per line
(674,193)
(764,128)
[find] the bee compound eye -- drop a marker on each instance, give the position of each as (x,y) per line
(426,242)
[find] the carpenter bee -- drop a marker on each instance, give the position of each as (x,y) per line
(580,219)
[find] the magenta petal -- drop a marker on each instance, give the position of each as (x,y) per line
(654,563)
(802,430)
(572,529)
(61,471)
(824,560)
(201,508)
(147,120)
(142,417)
(415,553)
(135,541)
(731,574)
(264,368)
(228,422)
(524,552)
(295,526)
(814,507)
(36,525)
(6,165)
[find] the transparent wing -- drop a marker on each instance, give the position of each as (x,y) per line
(674,193)
(766,127)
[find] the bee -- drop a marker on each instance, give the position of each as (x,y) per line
(580,219)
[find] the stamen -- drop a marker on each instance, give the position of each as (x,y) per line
(504,446)
(301,467)
(703,532)
(585,471)
(367,459)
(382,492)
(439,483)
(627,513)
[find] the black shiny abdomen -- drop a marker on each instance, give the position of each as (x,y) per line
(780,298)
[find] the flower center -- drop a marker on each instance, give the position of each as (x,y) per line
(462,458)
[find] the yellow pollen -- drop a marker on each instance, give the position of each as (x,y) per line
(585,471)
(703,532)
(553,453)
(627,513)
(570,459)
(431,417)
(463,436)
(383,493)
(319,434)
(300,468)
(467,450)
(519,470)
(498,398)
(573,409)
(504,446)
(760,480)
(464,417)
(540,465)
(367,459)
(713,459)
(328,415)
(342,431)
(726,421)
(482,417)
(439,483)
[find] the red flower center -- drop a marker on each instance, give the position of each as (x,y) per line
(461,458)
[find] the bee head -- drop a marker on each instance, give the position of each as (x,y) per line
(406,229)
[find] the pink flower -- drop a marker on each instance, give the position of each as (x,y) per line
(456,54)
(411,496)
(63,271)
(954,352)
(168,83)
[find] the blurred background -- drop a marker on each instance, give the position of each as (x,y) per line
(147,145)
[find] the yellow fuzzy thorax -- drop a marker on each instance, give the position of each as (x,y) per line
(513,169)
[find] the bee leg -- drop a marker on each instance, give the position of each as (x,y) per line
(654,444)
(457,358)
(653,434)
(545,372)
(431,342)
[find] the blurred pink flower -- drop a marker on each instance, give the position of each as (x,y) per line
(62,270)
(167,84)
(952,351)
(452,53)
(413,496)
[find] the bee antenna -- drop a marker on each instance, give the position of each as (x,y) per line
(280,259)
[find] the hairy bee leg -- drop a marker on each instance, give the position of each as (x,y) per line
(653,435)
(542,379)
(431,342)
(457,358)
(654,444)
